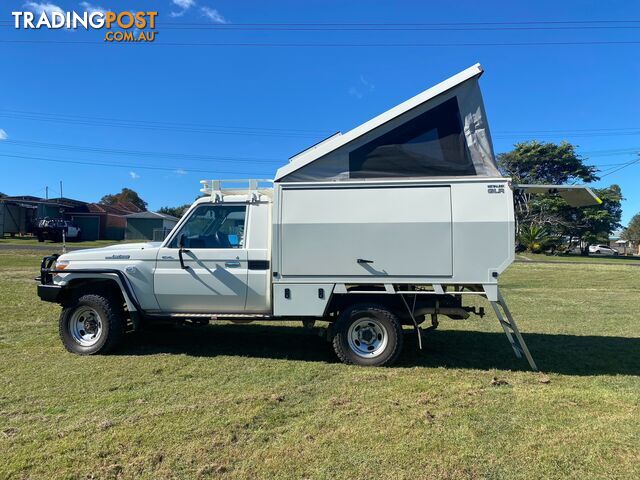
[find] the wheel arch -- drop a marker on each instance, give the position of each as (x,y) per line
(81,285)
(342,301)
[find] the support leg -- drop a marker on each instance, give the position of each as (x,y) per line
(413,319)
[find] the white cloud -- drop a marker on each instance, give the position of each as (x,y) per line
(213,15)
(134,175)
(38,8)
(180,171)
(367,84)
(184,4)
(3,134)
(354,92)
(88,7)
(362,88)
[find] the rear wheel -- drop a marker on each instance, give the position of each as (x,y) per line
(367,335)
(93,324)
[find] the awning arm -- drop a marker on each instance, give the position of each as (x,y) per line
(574,195)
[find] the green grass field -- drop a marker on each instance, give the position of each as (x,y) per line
(574,258)
(255,401)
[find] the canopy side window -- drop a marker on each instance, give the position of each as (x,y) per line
(431,144)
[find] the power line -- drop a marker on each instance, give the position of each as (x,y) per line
(236,28)
(265,131)
(406,24)
(568,134)
(637,160)
(325,45)
(138,153)
(31,115)
(9,112)
(166,126)
(195,156)
(538,22)
(613,152)
(131,166)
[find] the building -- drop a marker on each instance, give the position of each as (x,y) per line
(149,226)
(96,221)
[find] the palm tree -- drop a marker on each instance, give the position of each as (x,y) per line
(533,237)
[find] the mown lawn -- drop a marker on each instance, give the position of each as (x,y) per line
(254,401)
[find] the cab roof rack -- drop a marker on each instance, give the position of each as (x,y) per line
(253,188)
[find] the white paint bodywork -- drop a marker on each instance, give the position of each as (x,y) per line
(218,280)
(444,231)
(321,231)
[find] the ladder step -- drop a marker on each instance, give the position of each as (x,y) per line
(504,322)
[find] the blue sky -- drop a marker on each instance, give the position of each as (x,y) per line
(241,111)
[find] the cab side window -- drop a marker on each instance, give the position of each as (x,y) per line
(213,226)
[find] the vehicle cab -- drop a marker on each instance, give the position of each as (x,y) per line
(217,258)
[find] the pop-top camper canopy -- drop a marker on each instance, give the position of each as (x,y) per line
(441,132)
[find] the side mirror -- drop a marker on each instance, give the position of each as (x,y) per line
(181,240)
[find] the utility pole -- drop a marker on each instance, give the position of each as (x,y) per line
(46,193)
(60,189)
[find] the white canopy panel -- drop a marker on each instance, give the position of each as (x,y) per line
(443,131)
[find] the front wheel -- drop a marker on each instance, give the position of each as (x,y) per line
(92,324)
(367,335)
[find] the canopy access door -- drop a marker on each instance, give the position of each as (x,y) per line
(364,230)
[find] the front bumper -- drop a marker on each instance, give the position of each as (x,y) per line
(50,293)
(47,290)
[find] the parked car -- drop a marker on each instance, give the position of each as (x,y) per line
(52,229)
(602,250)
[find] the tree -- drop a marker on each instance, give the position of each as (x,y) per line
(632,232)
(3,195)
(549,163)
(175,211)
(534,238)
(536,162)
(587,225)
(126,195)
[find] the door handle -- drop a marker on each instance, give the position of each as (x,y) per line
(180,251)
(232,264)
(362,260)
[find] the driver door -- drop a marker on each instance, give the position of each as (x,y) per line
(213,274)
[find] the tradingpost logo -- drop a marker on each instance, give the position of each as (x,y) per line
(124,26)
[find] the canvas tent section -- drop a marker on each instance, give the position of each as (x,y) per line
(442,132)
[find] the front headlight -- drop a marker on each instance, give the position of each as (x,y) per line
(61,264)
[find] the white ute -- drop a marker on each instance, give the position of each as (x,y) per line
(388,225)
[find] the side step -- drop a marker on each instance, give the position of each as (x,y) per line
(511,330)
(219,316)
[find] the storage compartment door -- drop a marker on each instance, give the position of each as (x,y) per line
(366,231)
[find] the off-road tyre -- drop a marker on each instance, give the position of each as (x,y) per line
(383,319)
(112,324)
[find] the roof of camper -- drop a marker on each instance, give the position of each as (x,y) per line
(336,141)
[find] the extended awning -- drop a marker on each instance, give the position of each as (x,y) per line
(574,195)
